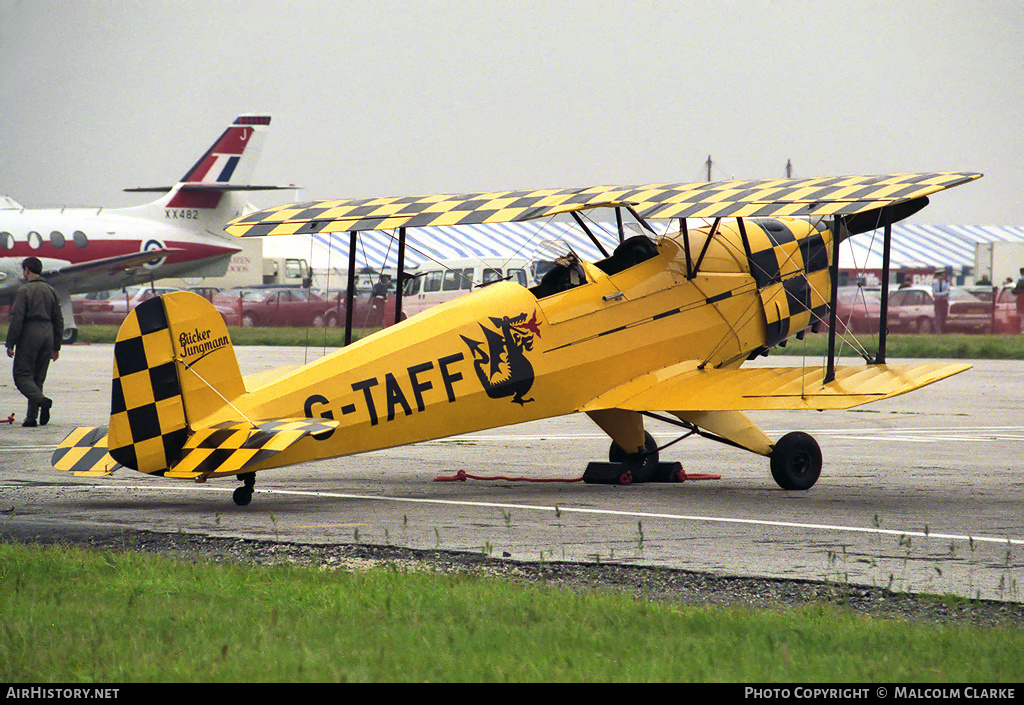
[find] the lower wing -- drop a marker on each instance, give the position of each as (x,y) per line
(683,387)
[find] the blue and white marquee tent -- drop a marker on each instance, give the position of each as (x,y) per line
(912,245)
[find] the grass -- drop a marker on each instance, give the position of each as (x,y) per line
(74,615)
(956,345)
(953,345)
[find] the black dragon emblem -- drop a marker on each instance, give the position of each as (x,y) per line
(501,362)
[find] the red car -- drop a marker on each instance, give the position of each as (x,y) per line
(111,307)
(272,307)
(369,311)
(858,309)
(1004,316)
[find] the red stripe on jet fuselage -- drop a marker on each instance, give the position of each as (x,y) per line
(102,249)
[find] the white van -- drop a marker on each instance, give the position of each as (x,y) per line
(436,282)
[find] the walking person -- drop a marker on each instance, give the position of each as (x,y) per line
(34,338)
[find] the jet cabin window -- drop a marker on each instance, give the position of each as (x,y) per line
(57,239)
(80,239)
(35,240)
(6,241)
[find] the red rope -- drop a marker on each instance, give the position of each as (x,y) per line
(462,476)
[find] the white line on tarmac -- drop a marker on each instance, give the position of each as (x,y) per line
(587,510)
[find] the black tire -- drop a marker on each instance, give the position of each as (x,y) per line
(796,461)
(640,467)
(70,336)
(242,495)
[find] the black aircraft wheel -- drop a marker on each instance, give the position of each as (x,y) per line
(640,467)
(243,495)
(70,336)
(796,461)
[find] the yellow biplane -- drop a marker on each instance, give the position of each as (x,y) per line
(659,327)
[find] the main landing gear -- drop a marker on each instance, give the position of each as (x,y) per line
(795,459)
(243,495)
(625,468)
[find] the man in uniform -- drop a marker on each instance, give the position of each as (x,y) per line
(940,293)
(33,339)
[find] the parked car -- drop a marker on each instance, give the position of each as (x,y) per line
(272,307)
(207,292)
(1004,316)
(369,311)
(912,310)
(858,309)
(111,307)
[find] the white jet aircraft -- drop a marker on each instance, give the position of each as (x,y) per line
(180,234)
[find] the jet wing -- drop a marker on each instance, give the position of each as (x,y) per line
(72,277)
(843,195)
(684,388)
(81,276)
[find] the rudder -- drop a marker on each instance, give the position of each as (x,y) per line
(174,364)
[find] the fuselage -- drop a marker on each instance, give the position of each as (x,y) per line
(70,236)
(502,355)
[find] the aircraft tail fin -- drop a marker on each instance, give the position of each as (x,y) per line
(228,165)
(174,364)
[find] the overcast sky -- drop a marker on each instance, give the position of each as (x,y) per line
(375,98)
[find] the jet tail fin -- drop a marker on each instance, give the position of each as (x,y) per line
(228,165)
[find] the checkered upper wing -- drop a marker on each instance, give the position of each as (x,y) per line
(843,195)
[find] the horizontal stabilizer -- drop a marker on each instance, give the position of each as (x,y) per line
(84,452)
(682,387)
(211,187)
(230,449)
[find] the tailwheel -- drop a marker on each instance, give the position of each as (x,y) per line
(637,467)
(243,495)
(796,461)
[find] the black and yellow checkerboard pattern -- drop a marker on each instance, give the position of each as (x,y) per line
(823,196)
(147,417)
(238,447)
(789,261)
(84,452)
